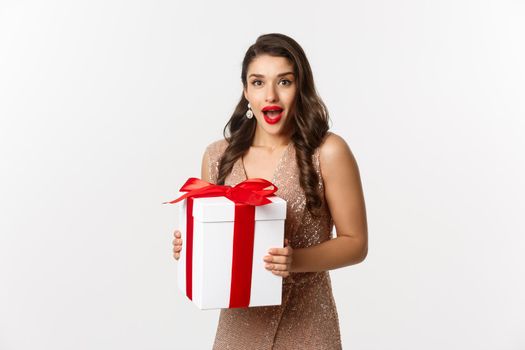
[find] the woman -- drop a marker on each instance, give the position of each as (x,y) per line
(279,132)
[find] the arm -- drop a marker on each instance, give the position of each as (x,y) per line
(344,196)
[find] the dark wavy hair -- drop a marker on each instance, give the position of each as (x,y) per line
(308,124)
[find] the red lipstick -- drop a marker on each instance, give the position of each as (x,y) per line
(274,116)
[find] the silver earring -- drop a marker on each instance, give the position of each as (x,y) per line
(249,113)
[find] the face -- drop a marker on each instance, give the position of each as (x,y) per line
(271,89)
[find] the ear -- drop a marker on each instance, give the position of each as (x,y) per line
(245,93)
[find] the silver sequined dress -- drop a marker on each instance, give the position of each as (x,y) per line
(307,317)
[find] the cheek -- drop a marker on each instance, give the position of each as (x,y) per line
(290,104)
(290,97)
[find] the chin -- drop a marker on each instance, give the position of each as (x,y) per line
(276,129)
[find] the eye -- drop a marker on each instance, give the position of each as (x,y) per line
(289,82)
(254,82)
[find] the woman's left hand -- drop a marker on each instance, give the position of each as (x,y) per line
(279,260)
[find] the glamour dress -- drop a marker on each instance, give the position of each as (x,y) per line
(307,317)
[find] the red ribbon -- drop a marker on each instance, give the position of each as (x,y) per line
(246,196)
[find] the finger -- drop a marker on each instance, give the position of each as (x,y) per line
(177,241)
(277,267)
(177,248)
(280,251)
(176,256)
(177,234)
(281,273)
(278,259)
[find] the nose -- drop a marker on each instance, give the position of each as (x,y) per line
(271,94)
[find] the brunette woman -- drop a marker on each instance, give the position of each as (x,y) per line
(279,132)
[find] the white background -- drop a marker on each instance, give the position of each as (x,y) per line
(107,106)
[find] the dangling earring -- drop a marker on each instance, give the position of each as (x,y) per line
(249,113)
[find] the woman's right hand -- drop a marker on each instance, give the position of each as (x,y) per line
(177,244)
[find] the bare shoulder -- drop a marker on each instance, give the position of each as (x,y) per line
(336,158)
(334,148)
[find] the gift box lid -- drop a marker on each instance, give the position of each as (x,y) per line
(219,209)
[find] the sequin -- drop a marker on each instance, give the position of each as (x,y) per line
(307,317)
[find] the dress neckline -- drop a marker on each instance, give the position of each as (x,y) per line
(277,168)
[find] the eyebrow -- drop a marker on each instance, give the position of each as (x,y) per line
(262,76)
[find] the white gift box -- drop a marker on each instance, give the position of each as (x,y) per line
(213,231)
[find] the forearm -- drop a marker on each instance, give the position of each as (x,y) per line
(332,254)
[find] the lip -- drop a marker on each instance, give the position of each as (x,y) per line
(276,119)
(271,108)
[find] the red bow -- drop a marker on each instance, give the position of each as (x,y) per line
(251,192)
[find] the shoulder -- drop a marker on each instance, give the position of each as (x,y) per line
(210,160)
(215,149)
(335,153)
(217,146)
(333,146)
